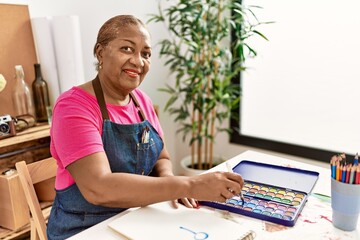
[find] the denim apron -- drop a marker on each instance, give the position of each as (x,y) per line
(130,148)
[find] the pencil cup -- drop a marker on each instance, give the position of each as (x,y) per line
(345,203)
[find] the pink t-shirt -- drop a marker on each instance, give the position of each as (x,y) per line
(76,127)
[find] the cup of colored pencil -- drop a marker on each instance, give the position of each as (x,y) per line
(345,191)
(345,171)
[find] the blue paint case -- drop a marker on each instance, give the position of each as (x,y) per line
(272,193)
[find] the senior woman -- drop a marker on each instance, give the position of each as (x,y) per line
(108,142)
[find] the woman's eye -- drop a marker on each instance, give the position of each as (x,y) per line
(127,49)
(146,55)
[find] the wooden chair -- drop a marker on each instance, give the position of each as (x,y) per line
(29,175)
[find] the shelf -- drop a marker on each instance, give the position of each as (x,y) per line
(33,133)
(30,145)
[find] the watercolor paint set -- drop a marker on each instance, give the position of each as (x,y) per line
(271,193)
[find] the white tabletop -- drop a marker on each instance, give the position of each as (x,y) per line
(313,223)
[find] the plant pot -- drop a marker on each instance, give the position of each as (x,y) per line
(186,169)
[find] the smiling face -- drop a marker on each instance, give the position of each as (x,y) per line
(124,60)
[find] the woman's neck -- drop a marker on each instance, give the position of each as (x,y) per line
(113,95)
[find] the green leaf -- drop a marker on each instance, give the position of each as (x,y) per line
(260,34)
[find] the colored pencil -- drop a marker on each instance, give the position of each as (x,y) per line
(356,159)
(343,173)
(338,170)
(352,175)
(358,174)
(333,166)
(343,157)
(348,170)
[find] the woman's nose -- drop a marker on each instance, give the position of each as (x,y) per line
(137,60)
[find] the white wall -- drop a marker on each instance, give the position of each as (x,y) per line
(92,15)
(302,88)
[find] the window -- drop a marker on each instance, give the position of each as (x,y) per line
(300,94)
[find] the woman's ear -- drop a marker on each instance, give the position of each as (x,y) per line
(99,50)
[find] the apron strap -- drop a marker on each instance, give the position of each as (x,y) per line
(137,105)
(100,97)
(101,100)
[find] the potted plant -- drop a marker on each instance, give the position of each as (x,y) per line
(203,61)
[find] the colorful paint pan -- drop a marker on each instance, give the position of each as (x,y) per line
(268,201)
(273,190)
(272,201)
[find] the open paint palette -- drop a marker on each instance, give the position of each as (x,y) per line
(271,193)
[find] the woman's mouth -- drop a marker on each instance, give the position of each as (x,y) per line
(132,73)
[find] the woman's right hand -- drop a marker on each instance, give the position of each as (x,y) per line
(215,186)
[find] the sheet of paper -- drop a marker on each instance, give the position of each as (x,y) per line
(162,222)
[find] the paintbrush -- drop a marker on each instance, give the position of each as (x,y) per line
(229,168)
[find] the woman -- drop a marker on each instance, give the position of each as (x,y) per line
(108,143)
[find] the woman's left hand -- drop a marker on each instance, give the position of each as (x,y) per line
(187,202)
